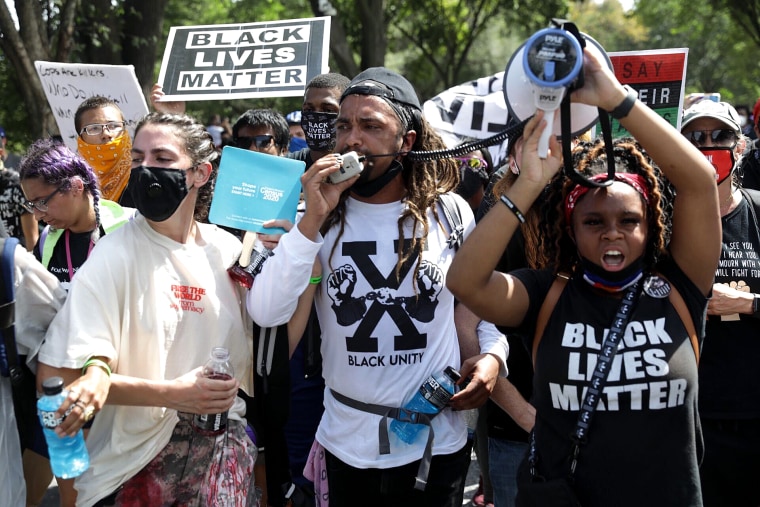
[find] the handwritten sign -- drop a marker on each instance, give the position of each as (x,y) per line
(659,77)
(267,59)
(67,85)
(476,109)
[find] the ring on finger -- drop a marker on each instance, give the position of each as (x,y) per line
(89,413)
(81,404)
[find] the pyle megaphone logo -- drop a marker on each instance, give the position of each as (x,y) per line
(541,70)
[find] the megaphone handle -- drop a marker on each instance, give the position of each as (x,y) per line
(543,141)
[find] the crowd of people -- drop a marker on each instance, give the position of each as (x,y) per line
(586,326)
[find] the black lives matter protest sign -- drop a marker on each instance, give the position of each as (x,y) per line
(267,59)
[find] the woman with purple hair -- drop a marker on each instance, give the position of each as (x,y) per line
(61,189)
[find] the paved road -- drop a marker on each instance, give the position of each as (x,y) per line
(51,498)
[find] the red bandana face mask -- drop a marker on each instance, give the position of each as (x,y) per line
(722,159)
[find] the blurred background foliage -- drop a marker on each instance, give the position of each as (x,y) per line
(435,43)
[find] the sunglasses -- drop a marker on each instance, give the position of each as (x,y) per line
(473,163)
(261,142)
(719,137)
(39,204)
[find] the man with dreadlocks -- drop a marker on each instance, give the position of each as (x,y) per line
(386,316)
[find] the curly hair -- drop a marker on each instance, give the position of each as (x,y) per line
(198,145)
(424,181)
(56,165)
(590,158)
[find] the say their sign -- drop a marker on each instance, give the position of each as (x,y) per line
(659,77)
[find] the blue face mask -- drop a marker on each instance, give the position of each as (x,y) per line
(157,191)
(296,144)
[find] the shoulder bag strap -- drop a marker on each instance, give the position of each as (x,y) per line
(7,310)
(454,218)
(547,307)
(683,313)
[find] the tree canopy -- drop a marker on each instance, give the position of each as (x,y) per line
(435,43)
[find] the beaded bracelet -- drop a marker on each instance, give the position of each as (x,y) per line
(314,280)
(513,208)
(98,363)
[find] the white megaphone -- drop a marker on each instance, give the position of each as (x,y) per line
(538,76)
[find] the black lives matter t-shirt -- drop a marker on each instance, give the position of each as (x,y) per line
(644,444)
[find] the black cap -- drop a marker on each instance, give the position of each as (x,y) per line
(52,386)
(383,83)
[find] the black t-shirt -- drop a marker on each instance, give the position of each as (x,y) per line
(729,376)
(78,250)
(644,443)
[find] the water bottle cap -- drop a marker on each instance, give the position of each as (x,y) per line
(452,373)
(220,353)
(52,386)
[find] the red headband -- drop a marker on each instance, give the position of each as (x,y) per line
(634,180)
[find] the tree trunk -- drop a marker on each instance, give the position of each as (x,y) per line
(339,47)
(374,40)
(143,22)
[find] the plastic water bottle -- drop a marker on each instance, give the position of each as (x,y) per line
(68,455)
(217,367)
(433,395)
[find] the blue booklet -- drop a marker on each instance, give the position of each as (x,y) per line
(254,187)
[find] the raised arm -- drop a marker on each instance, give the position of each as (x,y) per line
(496,297)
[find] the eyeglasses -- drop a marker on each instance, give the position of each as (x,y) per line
(95,129)
(262,141)
(719,137)
(39,204)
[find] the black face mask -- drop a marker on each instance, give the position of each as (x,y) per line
(157,191)
(319,130)
(365,187)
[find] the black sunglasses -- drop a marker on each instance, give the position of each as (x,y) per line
(262,141)
(719,137)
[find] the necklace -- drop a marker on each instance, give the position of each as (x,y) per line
(726,205)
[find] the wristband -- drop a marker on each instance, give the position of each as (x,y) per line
(98,363)
(509,204)
(314,280)
(756,304)
(622,110)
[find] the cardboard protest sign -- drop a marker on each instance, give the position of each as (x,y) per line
(659,77)
(235,61)
(471,110)
(66,85)
(253,187)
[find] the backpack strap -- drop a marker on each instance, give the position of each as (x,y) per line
(454,218)
(547,307)
(9,359)
(683,313)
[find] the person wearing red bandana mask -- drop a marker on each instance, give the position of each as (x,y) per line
(729,380)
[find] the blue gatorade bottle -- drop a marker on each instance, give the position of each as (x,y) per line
(432,397)
(68,455)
